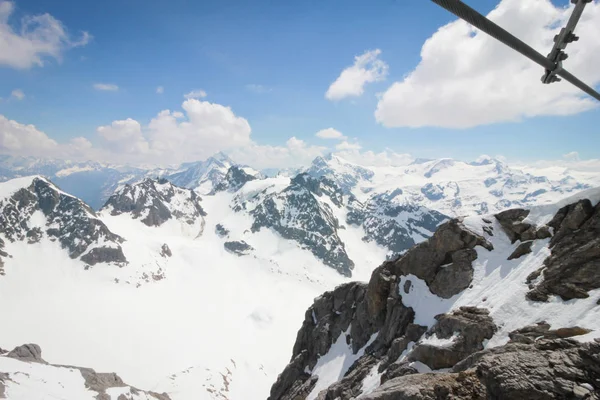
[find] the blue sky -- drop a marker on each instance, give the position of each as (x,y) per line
(293,49)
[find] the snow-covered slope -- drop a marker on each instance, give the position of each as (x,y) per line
(184,311)
(25,375)
(478,283)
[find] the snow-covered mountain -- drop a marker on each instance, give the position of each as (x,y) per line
(213,280)
(501,306)
(202,175)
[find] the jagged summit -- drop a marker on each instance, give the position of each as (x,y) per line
(155,202)
(500,306)
(203,175)
(344,173)
(33,209)
(236,177)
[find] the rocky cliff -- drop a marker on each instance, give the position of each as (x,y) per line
(502,306)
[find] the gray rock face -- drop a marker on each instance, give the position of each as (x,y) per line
(69,221)
(236,178)
(573,268)
(239,248)
(546,370)
(363,310)
(156,202)
(98,382)
(538,363)
(296,213)
(27,352)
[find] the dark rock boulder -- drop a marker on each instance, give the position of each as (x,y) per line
(221,231)
(165,251)
(467,328)
(456,277)
(530,334)
(573,268)
(521,250)
(239,248)
(511,222)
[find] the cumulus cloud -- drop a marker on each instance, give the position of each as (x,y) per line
(106,87)
(38,38)
(195,94)
(466,78)
(295,153)
(27,140)
(330,133)
(124,137)
(160,90)
(17,94)
(386,158)
(367,68)
(346,145)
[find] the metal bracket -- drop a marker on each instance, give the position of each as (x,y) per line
(564,37)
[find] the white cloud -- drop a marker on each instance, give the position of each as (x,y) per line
(330,133)
(195,94)
(386,158)
(27,140)
(345,145)
(106,87)
(160,90)
(125,137)
(367,68)
(466,78)
(17,94)
(572,156)
(39,37)
(256,88)
(295,153)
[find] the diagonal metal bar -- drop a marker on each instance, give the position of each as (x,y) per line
(479,21)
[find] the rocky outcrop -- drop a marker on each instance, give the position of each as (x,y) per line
(239,248)
(573,268)
(165,251)
(27,352)
(545,370)
(466,329)
(393,352)
(94,381)
(221,231)
(155,202)
(235,178)
(376,322)
(66,219)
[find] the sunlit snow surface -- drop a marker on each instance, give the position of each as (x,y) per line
(212,315)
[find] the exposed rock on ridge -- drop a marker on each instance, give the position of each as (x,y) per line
(94,381)
(66,219)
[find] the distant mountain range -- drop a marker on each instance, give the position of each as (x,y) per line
(170,262)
